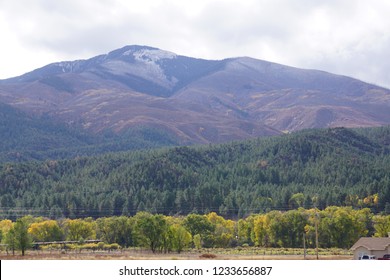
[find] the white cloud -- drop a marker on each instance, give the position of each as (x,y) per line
(348,37)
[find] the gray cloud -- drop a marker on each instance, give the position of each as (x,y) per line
(349,37)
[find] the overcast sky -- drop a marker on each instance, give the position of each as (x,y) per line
(349,37)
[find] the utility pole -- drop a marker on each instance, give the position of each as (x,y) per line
(316,224)
(304,246)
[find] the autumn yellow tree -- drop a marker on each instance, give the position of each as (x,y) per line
(46,231)
(224,230)
(181,238)
(78,229)
(245,230)
(198,224)
(343,226)
(381,225)
(5,226)
(261,230)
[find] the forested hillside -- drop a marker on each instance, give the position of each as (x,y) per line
(26,137)
(312,168)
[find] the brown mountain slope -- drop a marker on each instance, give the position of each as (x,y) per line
(200,101)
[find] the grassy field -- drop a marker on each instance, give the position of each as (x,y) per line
(215,253)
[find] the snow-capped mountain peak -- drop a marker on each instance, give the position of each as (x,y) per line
(150,55)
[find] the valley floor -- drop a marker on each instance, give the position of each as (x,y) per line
(217,254)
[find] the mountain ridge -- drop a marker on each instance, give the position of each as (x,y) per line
(198,100)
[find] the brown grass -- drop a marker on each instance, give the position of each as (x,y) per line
(208,256)
(136,254)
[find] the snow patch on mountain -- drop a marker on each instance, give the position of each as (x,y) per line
(148,55)
(70,66)
(146,64)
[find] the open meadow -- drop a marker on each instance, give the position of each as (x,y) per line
(215,253)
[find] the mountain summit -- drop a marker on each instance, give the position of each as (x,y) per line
(199,101)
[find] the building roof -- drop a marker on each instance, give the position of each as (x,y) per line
(372,243)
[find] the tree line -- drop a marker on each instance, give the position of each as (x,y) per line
(337,227)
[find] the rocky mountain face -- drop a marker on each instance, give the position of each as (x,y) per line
(199,101)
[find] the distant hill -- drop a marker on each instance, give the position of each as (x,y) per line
(310,168)
(25,137)
(195,100)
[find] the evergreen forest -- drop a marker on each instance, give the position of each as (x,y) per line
(314,168)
